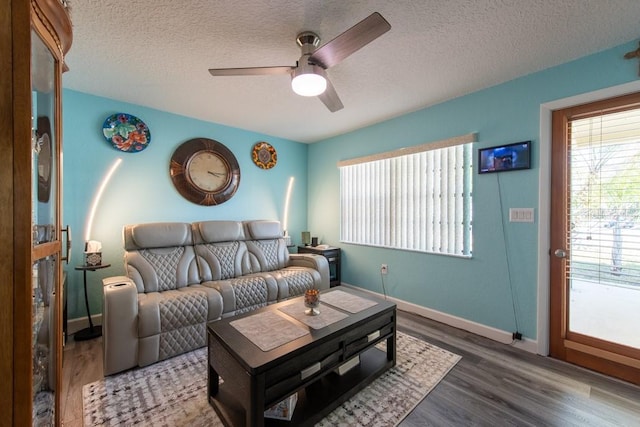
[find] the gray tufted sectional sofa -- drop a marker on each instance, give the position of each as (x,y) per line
(179,276)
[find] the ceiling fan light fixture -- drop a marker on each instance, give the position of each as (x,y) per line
(308,80)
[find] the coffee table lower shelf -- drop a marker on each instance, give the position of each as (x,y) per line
(318,399)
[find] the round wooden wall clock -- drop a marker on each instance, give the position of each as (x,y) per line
(205,171)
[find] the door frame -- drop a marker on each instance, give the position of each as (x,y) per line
(544,198)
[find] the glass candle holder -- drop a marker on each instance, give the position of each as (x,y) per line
(312,302)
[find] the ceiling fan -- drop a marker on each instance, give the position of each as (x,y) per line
(308,76)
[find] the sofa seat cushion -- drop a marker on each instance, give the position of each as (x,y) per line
(245,293)
(293,281)
(214,300)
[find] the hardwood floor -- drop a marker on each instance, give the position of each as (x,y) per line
(496,384)
(493,385)
(82,364)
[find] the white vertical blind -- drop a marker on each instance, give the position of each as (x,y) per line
(419,201)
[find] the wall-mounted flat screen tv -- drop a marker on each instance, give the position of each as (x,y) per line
(509,157)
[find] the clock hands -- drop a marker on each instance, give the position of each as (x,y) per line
(216,173)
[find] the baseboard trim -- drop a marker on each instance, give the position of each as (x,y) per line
(498,335)
(80,323)
(529,345)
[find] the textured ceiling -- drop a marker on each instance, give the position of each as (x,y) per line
(156,53)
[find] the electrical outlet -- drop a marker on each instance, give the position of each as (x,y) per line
(384,269)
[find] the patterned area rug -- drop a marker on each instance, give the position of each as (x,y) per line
(174,392)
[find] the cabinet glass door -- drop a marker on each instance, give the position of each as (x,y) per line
(46,247)
(44,341)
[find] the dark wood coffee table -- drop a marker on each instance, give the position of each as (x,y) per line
(254,380)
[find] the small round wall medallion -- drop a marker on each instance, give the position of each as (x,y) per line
(264,155)
(126,133)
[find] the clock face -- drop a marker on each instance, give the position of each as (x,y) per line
(204,171)
(208,171)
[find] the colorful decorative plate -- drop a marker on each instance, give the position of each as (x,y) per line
(126,132)
(264,155)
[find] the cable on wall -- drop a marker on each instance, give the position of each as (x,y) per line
(384,289)
(506,254)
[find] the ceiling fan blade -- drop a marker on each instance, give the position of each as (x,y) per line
(251,71)
(330,98)
(356,37)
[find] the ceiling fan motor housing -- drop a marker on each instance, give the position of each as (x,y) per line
(308,39)
(308,79)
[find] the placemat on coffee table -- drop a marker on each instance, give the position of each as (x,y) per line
(346,301)
(326,317)
(268,330)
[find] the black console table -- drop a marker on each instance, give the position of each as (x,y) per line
(93,331)
(332,254)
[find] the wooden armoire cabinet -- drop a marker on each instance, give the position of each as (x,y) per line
(36,35)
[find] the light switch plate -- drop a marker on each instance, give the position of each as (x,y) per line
(520,214)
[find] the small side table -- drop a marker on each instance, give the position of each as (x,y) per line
(92,331)
(332,254)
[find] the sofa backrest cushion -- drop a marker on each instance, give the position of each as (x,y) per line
(157,235)
(266,245)
(220,249)
(267,254)
(160,256)
(217,231)
(263,229)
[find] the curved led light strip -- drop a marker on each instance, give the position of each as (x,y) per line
(98,196)
(285,220)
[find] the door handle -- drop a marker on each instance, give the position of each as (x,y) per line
(560,253)
(68,232)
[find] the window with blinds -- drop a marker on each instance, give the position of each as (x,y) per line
(416,199)
(604,196)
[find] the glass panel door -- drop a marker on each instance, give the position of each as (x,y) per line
(44,340)
(604,211)
(595,236)
(45,147)
(45,217)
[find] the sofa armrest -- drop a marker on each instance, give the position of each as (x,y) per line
(315,261)
(119,324)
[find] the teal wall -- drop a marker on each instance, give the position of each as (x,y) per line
(141,189)
(476,289)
